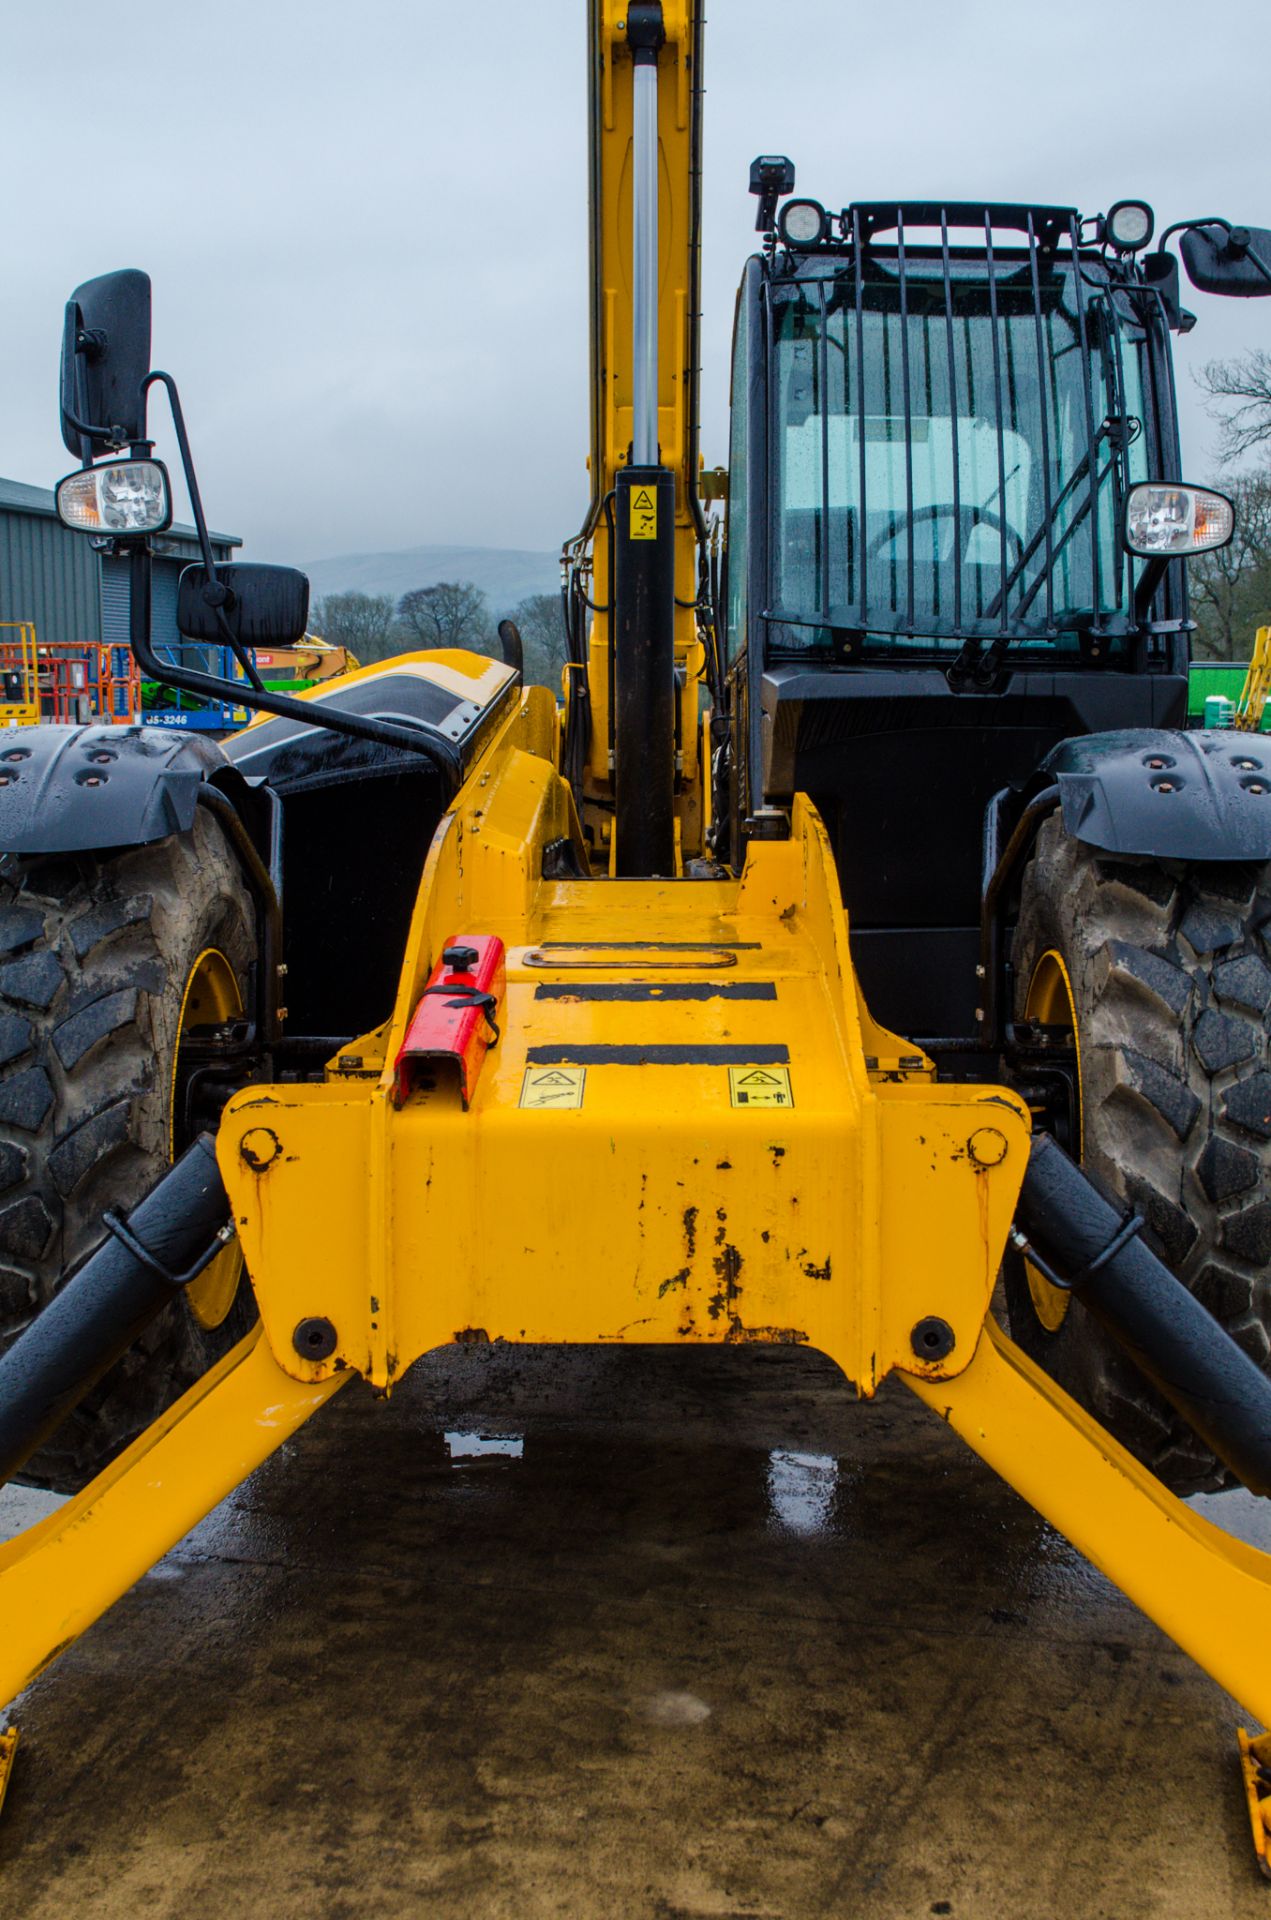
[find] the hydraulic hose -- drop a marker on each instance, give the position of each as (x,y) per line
(139,1268)
(1066,1227)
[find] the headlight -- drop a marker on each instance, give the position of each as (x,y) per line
(801,223)
(123,496)
(1129,225)
(1162,520)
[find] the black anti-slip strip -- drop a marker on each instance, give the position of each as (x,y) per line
(659,1056)
(657,990)
(652,946)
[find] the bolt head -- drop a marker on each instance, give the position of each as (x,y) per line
(314,1338)
(259,1147)
(988,1146)
(932,1338)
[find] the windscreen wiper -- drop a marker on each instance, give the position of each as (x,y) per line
(981,668)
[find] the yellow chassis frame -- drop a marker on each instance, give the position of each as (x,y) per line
(654,1208)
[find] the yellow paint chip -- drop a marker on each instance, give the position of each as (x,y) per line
(760,1087)
(557,1087)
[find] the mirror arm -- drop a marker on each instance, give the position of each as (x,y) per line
(115,437)
(235,646)
(309,713)
(1149,582)
(1185,226)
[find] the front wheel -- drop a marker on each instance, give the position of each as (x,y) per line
(110,964)
(1159,971)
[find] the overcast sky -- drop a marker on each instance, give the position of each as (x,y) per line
(366,224)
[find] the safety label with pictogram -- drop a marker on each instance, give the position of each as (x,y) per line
(644,514)
(760,1087)
(553,1087)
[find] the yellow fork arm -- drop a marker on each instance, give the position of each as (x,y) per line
(57,1577)
(1209,1592)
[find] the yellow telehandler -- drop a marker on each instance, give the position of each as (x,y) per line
(866,931)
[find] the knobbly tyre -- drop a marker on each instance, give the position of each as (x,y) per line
(297,1029)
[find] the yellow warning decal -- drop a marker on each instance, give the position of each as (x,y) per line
(760,1087)
(644,514)
(553,1087)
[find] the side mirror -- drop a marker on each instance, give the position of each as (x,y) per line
(263,606)
(105,361)
(1161,276)
(1235,262)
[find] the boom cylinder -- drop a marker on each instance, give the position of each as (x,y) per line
(101,1309)
(644,35)
(1167,1333)
(644,670)
(644,500)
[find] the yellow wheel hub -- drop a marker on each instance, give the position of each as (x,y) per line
(211,998)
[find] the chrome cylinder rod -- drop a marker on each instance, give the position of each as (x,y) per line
(645,35)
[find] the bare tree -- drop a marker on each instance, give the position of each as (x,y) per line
(542,627)
(1240,391)
(362,622)
(453,613)
(1231,589)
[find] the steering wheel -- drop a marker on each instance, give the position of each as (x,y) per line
(968,519)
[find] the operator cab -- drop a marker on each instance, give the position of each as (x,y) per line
(940,413)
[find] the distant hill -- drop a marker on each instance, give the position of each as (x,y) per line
(503,574)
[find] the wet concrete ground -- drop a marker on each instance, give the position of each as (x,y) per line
(651,1634)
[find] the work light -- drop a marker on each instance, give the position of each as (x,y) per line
(801,223)
(1129,225)
(1163,519)
(121,496)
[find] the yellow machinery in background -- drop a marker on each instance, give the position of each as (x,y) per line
(69,682)
(1252,699)
(19,674)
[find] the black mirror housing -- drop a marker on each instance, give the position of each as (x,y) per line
(105,361)
(263,606)
(1236,262)
(1161,276)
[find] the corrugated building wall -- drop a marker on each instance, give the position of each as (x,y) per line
(47,573)
(72,592)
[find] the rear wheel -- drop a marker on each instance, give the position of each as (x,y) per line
(110,964)
(1160,971)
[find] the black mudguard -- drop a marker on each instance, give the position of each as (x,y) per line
(81,789)
(1175,796)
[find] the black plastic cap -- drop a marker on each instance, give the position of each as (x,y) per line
(645,31)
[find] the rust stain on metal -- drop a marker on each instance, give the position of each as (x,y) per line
(472,1337)
(259,1147)
(817,1273)
(690,1231)
(738,1335)
(727,1264)
(679,1279)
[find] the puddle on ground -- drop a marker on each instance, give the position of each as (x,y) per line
(483,1446)
(22,1507)
(1246,1516)
(801,1491)
(671,1709)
